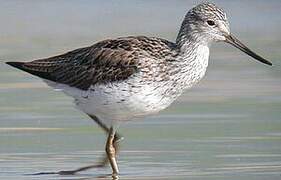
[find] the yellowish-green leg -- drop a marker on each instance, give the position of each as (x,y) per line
(112,148)
(111,152)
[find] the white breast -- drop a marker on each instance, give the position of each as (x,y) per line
(202,57)
(194,66)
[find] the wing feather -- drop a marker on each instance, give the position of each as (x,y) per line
(101,63)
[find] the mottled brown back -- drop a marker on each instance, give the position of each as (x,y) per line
(106,61)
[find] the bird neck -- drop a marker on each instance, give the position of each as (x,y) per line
(193,56)
(193,45)
(193,50)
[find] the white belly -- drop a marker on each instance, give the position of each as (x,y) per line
(118,101)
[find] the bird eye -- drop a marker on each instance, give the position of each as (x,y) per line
(211,23)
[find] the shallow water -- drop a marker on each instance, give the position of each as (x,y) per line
(228,127)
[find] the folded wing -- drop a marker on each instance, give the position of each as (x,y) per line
(106,61)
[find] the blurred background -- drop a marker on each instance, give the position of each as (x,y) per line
(227,127)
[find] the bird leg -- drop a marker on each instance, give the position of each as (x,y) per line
(112,147)
(116,140)
(111,151)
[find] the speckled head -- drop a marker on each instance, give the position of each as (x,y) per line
(207,23)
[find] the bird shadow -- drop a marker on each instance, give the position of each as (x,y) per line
(76,176)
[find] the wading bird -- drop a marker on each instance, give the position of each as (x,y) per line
(122,79)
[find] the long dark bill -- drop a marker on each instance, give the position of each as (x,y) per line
(238,44)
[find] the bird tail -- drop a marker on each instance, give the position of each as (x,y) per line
(32,68)
(18,65)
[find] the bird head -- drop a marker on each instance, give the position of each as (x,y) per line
(207,23)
